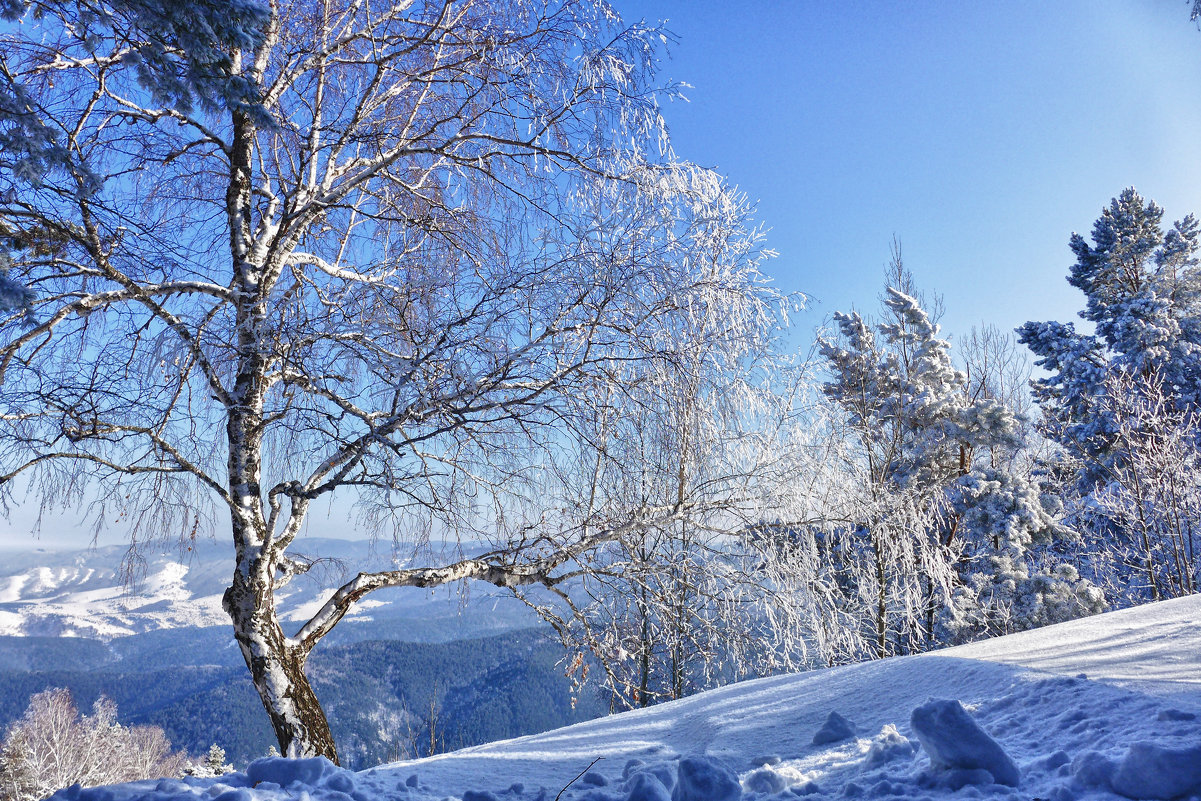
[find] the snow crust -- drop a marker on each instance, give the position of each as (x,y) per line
(970,722)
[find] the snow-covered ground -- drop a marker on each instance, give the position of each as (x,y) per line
(1103,708)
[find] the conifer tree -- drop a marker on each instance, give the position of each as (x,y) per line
(1120,401)
(1142,293)
(939,519)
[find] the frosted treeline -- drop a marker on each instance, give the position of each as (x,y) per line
(929,501)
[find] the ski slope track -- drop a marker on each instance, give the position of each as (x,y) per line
(1102,708)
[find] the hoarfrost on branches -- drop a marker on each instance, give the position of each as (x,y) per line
(430,256)
(1121,402)
(937,506)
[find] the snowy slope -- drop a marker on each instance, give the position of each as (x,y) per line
(1132,726)
(1154,649)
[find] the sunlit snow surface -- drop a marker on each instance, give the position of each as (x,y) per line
(1114,704)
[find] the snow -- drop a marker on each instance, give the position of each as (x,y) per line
(834,729)
(1152,648)
(961,723)
(701,779)
(1150,770)
(887,746)
(83,592)
(956,743)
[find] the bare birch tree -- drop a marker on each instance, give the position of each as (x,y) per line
(434,245)
(1152,499)
(53,746)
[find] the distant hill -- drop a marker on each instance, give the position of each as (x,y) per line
(162,648)
(83,593)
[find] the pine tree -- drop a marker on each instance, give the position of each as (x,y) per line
(213,764)
(1142,290)
(215,760)
(1120,400)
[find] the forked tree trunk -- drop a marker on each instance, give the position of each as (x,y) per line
(277,669)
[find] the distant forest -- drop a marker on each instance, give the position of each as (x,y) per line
(387,700)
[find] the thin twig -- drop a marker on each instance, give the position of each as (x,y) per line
(577,778)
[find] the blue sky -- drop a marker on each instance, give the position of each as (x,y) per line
(980,134)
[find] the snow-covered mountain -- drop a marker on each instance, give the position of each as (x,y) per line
(83,593)
(1102,708)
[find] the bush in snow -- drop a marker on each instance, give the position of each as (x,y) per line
(53,746)
(1004,594)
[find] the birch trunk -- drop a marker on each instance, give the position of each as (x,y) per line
(277,668)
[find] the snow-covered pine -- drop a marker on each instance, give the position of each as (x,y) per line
(1120,401)
(212,764)
(1142,292)
(938,510)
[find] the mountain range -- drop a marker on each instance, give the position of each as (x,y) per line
(104,593)
(410,672)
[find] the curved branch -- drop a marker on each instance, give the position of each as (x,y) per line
(490,568)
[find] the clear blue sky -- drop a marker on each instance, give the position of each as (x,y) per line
(981,134)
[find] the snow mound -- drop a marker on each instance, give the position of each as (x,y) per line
(1150,770)
(955,742)
(764,781)
(284,772)
(888,745)
(834,729)
(645,787)
(700,779)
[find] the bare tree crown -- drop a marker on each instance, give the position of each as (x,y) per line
(443,245)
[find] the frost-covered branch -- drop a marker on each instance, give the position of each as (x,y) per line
(512,569)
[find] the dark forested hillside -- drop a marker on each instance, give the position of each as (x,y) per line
(382,696)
